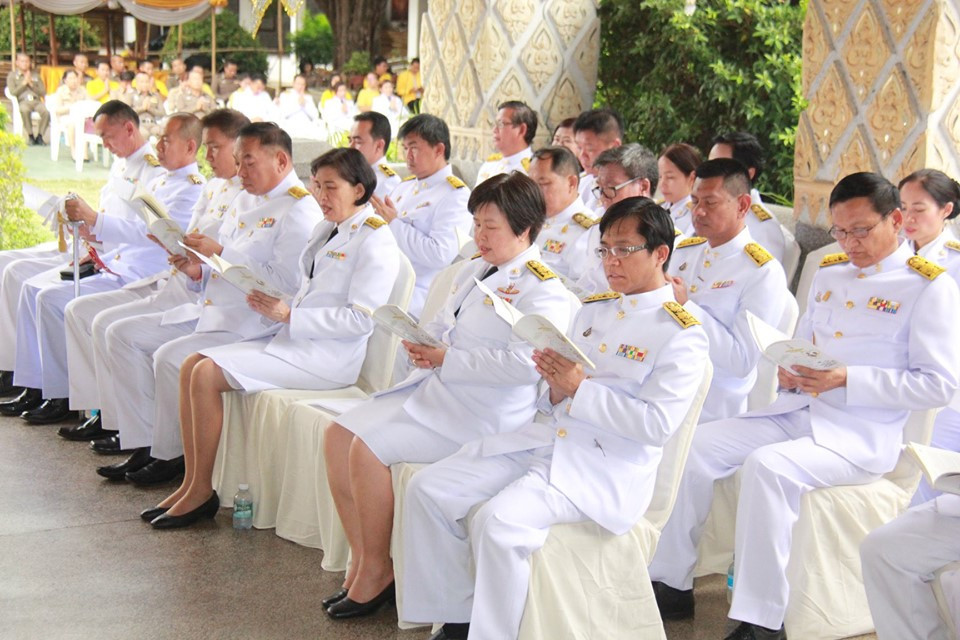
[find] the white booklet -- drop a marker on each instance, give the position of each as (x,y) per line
(788,352)
(536,329)
(399,322)
(46,204)
(237,274)
(941,467)
(164,228)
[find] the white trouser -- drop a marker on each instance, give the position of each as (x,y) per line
(167,443)
(440,554)
(946,435)
(79,320)
(15,273)
(780,463)
(127,392)
(898,561)
(41,360)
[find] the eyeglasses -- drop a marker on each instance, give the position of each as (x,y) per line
(500,124)
(618,252)
(610,192)
(859,233)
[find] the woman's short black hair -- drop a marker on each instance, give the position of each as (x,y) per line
(653,222)
(939,186)
(517,196)
(883,196)
(351,166)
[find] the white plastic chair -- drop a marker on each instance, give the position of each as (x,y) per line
(79,113)
(942,602)
(56,126)
(764,390)
(810,267)
(16,115)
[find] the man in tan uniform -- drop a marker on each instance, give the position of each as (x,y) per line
(189,97)
(27,87)
(148,105)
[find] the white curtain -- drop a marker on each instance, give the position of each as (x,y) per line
(65,7)
(152,15)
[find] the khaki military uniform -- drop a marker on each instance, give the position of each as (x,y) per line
(28,89)
(223,87)
(184,100)
(149,106)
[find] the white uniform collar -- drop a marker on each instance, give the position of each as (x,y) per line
(734,245)
(933,247)
(755,197)
(648,300)
(381,160)
(893,261)
(289,181)
(184,171)
(436,177)
(355,221)
(514,266)
(526,152)
(567,214)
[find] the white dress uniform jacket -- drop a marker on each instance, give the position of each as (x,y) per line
(681,212)
(387,178)
(431,218)
(722,283)
(560,244)
(765,228)
(497,163)
(587,182)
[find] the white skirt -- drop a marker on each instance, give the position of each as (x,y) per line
(247,367)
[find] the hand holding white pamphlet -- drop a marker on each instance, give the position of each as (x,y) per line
(399,322)
(237,274)
(164,228)
(788,352)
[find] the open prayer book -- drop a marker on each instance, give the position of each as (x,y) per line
(941,467)
(536,329)
(400,323)
(237,274)
(786,351)
(158,221)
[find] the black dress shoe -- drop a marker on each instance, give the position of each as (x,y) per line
(89,429)
(109,446)
(347,608)
(674,604)
(748,631)
(157,472)
(7,387)
(151,514)
(207,510)
(452,631)
(51,411)
(137,460)
(334,598)
(27,400)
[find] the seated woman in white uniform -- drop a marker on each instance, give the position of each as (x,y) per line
(929,198)
(350,264)
(482,381)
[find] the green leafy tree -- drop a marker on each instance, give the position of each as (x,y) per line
(19,226)
(731,65)
(314,42)
(67,29)
(197,36)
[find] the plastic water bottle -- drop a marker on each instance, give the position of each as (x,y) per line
(730,583)
(243,508)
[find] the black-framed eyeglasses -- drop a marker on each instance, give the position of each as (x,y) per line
(611,192)
(859,233)
(618,252)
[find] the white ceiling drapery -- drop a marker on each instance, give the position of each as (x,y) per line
(151,15)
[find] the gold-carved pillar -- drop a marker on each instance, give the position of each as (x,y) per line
(881,80)
(478,53)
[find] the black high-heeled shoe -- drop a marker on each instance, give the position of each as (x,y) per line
(334,598)
(207,510)
(151,514)
(347,608)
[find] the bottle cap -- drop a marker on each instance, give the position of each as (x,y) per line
(243,486)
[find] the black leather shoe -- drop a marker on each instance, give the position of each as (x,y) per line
(137,460)
(347,608)
(151,514)
(89,429)
(157,471)
(334,598)
(207,510)
(452,631)
(27,400)
(51,411)
(674,604)
(109,446)
(7,387)
(748,631)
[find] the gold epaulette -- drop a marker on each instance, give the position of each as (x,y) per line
(387,171)
(660,201)
(494,156)
(456,182)
(834,258)
(762,214)
(597,297)
(540,270)
(924,267)
(298,192)
(195,179)
(374,222)
(525,163)
(690,242)
(952,244)
(677,232)
(409,178)
(681,315)
(584,220)
(758,254)
(476,255)
(151,160)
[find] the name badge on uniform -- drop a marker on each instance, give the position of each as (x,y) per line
(721,284)
(554,246)
(631,353)
(887,306)
(266,223)
(337,255)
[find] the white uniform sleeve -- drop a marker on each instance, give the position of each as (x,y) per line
(439,246)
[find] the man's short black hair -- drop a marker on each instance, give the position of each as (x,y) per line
(414,60)
(653,222)
(562,161)
(736,179)
(258,76)
(602,122)
(117,111)
(522,114)
(229,122)
(746,148)
(432,129)
(268,134)
(517,196)
(351,166)
(127,76)
(379,126)
(883,195)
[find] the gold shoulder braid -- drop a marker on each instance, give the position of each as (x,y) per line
(494,156)
(374,222)
(387,171)
(924,267)
(298,192)
(151,160)
(681,315)
(834,258)
(597,297)
(456,182)
(690,242)
(540,270)
(758,254)
(584,220)
(762,214)
(952,244)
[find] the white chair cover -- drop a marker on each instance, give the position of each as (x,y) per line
(810,266)
(764,390)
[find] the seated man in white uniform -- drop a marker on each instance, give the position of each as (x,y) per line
(427,212)
(370,136)
(483,383)
(513,132)
(298,113)
(595,131)
(899,560)
(841,426)
(591,456)
(41,340)
(764,226)
(91,383)
(134,163)
(265,230)
(719,275)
